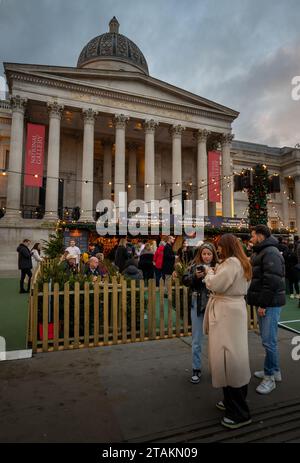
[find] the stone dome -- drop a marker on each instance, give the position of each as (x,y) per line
(112,51)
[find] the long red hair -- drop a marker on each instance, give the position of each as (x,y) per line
(231,247)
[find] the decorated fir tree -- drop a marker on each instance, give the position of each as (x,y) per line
(257,195)
(54,247)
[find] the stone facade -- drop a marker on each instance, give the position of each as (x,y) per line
(112,127)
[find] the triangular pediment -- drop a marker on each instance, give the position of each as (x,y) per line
(129,83)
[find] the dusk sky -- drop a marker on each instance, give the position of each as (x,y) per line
(240,53)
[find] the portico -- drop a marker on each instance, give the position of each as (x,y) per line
(121,135)
(110,128)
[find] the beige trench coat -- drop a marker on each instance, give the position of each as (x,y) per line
(225,322)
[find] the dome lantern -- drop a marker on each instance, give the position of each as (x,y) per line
(114,25)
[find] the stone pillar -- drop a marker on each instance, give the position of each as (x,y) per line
(149,192)
(87,185)
(132,176)
(202,182)
(297,201)
(158,172)
(107,168)
(226,176)
(120,124)
(176,132)
(51,207)
(285,203)
(14,178)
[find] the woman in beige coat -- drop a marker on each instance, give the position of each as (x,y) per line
(225,322)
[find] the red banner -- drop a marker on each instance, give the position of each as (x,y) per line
(34,162)
(214,172)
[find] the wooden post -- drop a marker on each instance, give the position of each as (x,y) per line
(56,316)
(153,292)
(67,315)
(162,307)
(142,310)
(133,310)
(185,311)
(96,312)
(105,312)
(30,318)
(45,316)
(115,310)
(170,309)
(76,314)
(35,319)
(86,314)
(150,310)
(177,295)
(124,310)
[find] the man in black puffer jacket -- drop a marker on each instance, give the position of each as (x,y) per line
(267,293)
(24,264)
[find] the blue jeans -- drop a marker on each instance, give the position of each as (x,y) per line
(268,326)
(197,334)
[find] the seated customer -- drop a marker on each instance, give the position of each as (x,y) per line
(92,267)
(103,270)
(70,265)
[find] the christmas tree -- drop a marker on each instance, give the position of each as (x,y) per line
(257,195)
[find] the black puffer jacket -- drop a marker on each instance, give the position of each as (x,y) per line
(267,287)
(24,259)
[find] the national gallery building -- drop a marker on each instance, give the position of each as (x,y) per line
(71,136)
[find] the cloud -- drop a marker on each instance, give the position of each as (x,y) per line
(240,53)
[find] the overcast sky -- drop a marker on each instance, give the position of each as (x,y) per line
(240,53)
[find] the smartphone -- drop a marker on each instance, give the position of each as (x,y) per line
(200,268)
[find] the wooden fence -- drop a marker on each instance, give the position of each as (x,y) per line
(108,312)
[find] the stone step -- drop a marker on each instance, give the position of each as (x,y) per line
(279,422)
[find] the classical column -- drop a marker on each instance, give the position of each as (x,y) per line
(176,132)
(149,192)
(158,171)
(87,185)
(297,201)
(226,176)
(14,179)
(285,203)
(107,168)
(132,177)
(120,124)
(51,206)
(202,183)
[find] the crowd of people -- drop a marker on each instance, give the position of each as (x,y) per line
(222,280)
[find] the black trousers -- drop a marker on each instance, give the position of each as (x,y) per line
(24,272)
(235,403)
(293,283)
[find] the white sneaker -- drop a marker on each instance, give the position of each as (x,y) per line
(261,375)
(195,379)
(267,385)
(297,296)
(292,296)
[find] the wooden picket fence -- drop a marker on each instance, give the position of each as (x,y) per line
(108,312)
